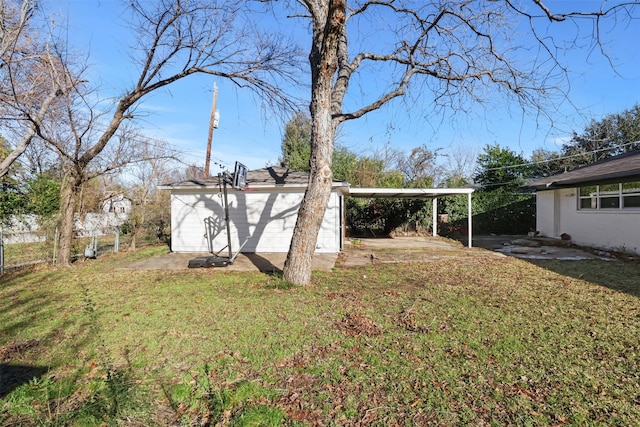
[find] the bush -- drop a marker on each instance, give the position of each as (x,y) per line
(380,216)
(496,212)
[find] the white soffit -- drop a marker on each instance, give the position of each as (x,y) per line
(407,192)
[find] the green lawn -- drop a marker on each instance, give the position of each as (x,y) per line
(494,341)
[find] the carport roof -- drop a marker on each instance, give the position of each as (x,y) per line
(407,193)
(275,177)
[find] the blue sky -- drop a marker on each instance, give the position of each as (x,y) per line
(252,135)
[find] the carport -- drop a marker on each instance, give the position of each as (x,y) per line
(418,193)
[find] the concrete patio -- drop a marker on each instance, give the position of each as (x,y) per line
(390,250)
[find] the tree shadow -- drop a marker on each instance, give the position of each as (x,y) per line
(266,216)
(23,304)
(213,227)
(13,376)
(618,275)
(279,179)
(259,220)
(249,221)
(263,264)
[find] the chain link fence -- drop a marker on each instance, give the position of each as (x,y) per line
(27,248)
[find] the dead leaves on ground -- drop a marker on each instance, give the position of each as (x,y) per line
(356,324)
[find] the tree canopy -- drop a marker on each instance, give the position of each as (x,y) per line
(500,167)
(614,134)
(174,40)
(296,143)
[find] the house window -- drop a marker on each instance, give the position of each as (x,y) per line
(589,197)
(610,196)
(631,194)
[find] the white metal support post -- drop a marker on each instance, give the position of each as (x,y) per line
(434,209)
(470,219)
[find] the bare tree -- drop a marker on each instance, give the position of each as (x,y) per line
(141,180)
(28,82)
(460,166)
(420,167)
(452,51)
(14,19)
(175,39)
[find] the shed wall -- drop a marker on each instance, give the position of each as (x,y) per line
(267,218)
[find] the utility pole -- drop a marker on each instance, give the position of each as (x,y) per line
(213,124)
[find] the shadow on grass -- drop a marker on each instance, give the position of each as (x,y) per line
(622,276)
(22,302)
(13,376)
(31,304)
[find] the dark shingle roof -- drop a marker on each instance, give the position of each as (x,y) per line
(625,167)
(266,177)
(276,175)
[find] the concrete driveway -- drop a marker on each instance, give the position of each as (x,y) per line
(539,248)
(265,262)
(356,252)
(390,250)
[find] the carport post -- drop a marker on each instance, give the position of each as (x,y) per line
(470,223)
(434,209)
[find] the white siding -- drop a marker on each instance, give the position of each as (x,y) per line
(546,218)
(608,229)
(267,217)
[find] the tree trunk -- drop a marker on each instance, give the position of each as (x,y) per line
(132,244)
(329,21)
(68,202)
(297,267)
(135,229)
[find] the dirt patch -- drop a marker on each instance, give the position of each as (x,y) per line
(16,350)
(355,325)
(390,250)
(541,248)
(360,252)
(264,262)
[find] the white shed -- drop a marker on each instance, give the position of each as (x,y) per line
(597,205)
(263,215)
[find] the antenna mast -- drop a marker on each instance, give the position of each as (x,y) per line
(213,124)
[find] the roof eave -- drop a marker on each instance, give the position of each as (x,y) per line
(341,186)
(407,192)
(601,179)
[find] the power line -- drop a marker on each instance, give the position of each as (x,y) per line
(555,159)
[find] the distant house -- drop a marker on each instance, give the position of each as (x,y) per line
(117,204)
(22,229)
(597,205)
(116,209)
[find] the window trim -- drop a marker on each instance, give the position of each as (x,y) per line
(598,195)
